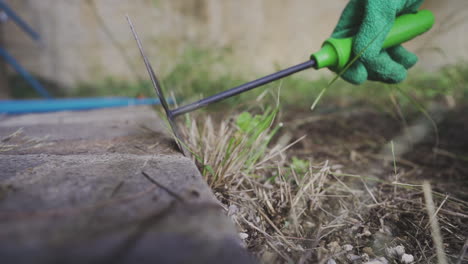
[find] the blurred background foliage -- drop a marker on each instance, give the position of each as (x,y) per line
(202,72)
(201,47)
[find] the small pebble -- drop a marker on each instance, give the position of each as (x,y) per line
(365,257)
(331,261)
(352,257)
(400,250)
(407,259)
(369,251)
(347,247)
(396,252)
(334,247)
(378,261)
(365,233)
(243,236)
(232,210)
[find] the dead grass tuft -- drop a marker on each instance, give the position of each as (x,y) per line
(17,141)
(290,210)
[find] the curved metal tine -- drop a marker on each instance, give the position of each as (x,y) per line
(159,92)
(169,115)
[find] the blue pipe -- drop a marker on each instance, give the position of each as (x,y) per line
(23,72)
(20,22)
(69,104)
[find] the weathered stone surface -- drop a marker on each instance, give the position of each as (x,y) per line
(72,189)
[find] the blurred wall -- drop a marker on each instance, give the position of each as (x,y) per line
(89,39)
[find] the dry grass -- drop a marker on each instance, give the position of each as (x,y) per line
(434,223)
(293,211)
(18,140)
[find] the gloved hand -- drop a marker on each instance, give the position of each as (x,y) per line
(370,21)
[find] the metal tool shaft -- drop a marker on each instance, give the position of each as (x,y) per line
(243,88)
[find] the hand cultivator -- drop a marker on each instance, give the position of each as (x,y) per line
(335,54)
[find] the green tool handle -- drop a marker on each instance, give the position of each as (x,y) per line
(336,53)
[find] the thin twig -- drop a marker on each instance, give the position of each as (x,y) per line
(463,253)
(437,212)
(169,191)
(435,228)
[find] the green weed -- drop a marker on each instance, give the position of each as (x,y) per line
(240,147)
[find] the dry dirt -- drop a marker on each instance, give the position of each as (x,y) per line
(361,197)
(358,140)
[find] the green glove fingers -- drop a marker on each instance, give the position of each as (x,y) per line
(374,19)
(378,20)
(382,68)
(403,56)
(394,72)
(356,73)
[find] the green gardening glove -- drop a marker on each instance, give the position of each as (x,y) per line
(370,21)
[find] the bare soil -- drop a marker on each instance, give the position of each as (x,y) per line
(356,139)
(358,197)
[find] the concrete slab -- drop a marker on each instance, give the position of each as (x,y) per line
(105,186)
